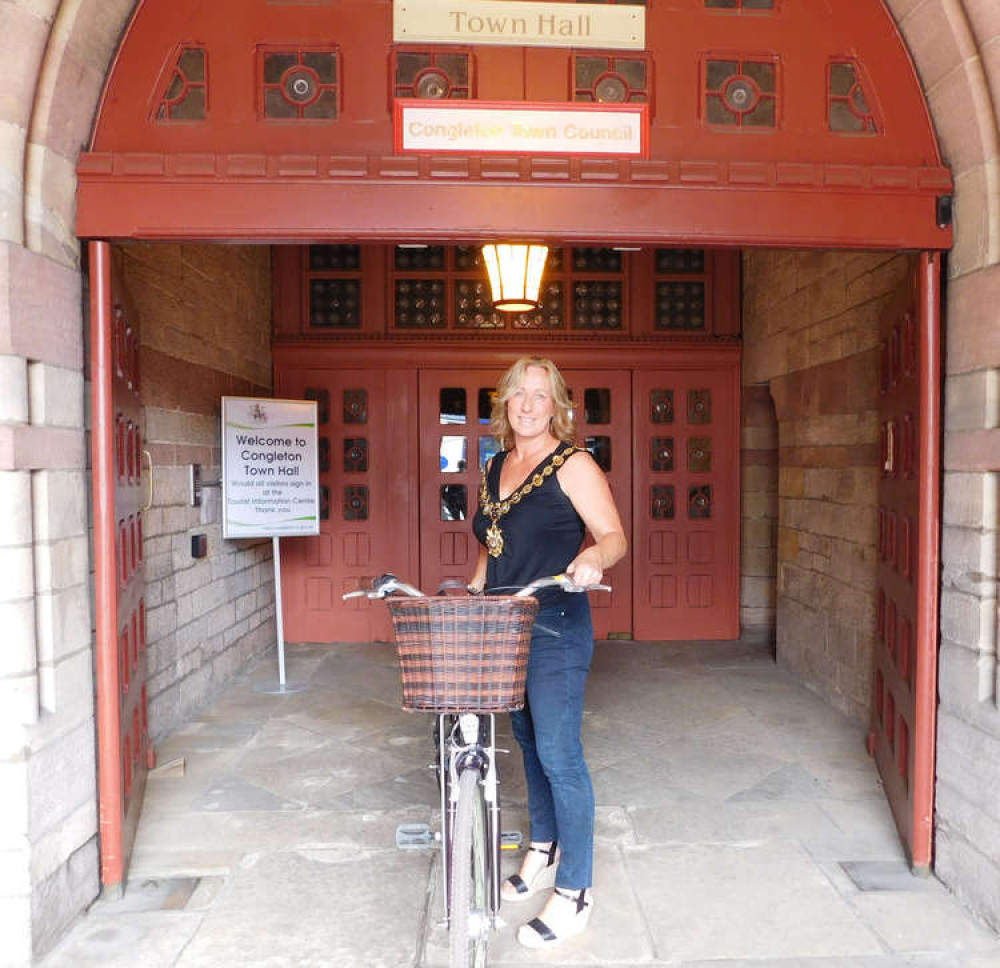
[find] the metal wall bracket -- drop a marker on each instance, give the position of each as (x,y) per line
(196,485)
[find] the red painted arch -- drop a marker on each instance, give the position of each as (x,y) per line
(231,172)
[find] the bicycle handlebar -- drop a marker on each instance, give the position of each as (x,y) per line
(385,585)
(562,581)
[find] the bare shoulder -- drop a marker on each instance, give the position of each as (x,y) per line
(586,485)
(580,466)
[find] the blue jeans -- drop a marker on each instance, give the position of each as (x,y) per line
(560,794)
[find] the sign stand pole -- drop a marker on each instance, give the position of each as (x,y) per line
(282,687)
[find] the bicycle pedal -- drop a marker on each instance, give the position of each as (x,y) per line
(414,836)
(511,840)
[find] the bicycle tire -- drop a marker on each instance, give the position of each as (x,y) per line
(469,926)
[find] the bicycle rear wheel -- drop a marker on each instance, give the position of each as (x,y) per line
(469,922)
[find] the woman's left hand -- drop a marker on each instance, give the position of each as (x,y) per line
(586,568)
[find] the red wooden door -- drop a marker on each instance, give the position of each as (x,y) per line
(425,439)
(905,655)
(686,500)
(367,434)
(455,443)
(124,751)
(602,404)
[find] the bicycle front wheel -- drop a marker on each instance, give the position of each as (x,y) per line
(469,922)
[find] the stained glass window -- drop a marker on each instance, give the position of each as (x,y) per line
(186,95)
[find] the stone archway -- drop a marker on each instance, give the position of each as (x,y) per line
(56,58)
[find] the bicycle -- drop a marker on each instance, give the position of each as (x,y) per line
(466,659)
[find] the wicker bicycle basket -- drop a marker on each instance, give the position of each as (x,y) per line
(463,654)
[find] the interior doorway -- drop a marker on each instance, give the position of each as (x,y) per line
(402,451)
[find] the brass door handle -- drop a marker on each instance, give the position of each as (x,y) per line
(149,503)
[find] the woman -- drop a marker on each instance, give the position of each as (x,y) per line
(538,496)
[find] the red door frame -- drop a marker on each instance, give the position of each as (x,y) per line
(904,657)
(928,563)
(109,774)
(124,753)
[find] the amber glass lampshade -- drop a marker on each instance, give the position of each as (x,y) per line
(515,275)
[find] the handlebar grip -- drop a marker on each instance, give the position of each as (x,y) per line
(560,581)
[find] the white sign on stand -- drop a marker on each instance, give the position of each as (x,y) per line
(270,470)
(270,481)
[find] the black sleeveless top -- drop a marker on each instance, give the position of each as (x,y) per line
(541,534)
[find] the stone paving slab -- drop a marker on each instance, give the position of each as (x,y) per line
(107,939)
(879,961)
(723,901)
(867,827)
(741,823)
(876,875)
(315,907)
(203,843)
(924,920)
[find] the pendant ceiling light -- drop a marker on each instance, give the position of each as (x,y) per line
(515,275)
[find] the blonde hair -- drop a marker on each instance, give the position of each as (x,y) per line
(562,419)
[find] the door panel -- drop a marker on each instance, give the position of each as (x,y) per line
(455,444)
(902,735)
(603,411)
(686,501)
(124,751)
(367,432)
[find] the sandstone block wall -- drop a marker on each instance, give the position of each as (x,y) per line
(955,46)
(204,313)
(48,809)
(54,58)
(759,538)
(967,816)
(811,333)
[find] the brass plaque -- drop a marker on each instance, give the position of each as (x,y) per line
(519,23)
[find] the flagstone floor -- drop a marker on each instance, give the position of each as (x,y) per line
(739,823)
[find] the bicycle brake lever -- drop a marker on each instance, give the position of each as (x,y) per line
(568,585)
(382,585)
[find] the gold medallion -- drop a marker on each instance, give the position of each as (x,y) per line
(494,540)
